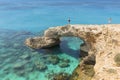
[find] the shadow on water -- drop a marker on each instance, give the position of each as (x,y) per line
(66,49)
(53,50)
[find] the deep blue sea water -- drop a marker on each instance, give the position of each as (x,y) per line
(18,17)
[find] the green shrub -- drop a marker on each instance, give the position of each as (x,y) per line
(117,59)
(112,71)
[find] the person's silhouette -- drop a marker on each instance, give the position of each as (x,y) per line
(109,20)
(69,20)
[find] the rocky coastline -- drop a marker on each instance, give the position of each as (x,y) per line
(100,51)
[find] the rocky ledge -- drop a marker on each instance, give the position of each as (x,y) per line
(102,45)
(41,42)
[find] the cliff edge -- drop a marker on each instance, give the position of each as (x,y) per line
(103,43)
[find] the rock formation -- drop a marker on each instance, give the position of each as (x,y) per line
(102,42)
(41,42)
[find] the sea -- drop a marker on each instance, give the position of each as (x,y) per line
(21,19)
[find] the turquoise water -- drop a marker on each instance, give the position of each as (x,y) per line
(18,62)
(36,15)
(22,19)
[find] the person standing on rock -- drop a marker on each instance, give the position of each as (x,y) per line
(109,20)
(69,20)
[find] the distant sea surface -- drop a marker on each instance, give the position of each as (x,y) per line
(21,19)
(36,15)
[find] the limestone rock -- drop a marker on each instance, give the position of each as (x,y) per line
(41,42)
(103,41)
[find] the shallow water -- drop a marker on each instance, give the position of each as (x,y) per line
(18,62)
(22,19)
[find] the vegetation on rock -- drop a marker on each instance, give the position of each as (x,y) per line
(117,59)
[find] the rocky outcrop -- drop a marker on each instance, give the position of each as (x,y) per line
(41,42)
(103,47)
(52,35)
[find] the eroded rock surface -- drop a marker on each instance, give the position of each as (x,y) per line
(41,42)
(103,43)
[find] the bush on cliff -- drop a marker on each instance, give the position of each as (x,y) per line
(117,59)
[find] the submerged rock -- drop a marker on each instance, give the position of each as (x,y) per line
(19,66)
(25,56)
(40,66)
(65,60)
(64,64)
(61,76)
(21,33)
(6,69)
(54,59)
(21,72)
(29,69)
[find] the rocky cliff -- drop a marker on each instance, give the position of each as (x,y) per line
(102,45)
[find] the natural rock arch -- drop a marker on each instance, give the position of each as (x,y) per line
(102,40)
(52,35)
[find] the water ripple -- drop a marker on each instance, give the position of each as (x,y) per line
(37,4)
